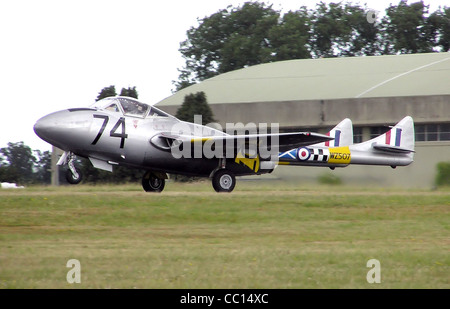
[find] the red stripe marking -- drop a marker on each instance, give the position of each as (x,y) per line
(388,137)
(327,143)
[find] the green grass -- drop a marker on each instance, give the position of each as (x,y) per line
(263,235)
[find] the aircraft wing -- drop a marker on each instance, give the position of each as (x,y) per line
(284,141)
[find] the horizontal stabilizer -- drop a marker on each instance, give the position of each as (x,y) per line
(393,149)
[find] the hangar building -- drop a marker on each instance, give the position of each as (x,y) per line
(316,94)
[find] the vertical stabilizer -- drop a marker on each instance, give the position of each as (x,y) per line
(398,139)
(393,148)
(342,134)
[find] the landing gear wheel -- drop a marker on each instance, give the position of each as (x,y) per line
(72,178)
(151,183)
(223,181)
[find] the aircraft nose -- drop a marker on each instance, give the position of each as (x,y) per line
(40,127)
(44,126)
(65,128)
(51,128)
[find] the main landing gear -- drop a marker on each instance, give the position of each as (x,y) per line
(154,182)
(223,180)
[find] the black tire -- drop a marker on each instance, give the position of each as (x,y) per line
(223,181)
(71,179)
(151,183)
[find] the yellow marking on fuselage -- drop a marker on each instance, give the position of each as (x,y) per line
(283,163)
(200,139)
(340,155)
(252,163)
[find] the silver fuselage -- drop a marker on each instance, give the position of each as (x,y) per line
(129,141)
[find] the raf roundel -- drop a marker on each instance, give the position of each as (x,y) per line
(303,154)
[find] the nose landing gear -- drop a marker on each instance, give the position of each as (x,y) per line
(74,178)
(73,175)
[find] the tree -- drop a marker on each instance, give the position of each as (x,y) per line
(43,165)
(365,38)
(341,29)
(107,92)
(254,33)
(329,33)
(407,28)
(290,38)
(111,92)
(4,167)
(438,24)
(247,43)
(129,92)
(227,40)
(20,163)
(195,104)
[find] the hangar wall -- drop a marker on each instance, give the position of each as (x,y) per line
(324,113)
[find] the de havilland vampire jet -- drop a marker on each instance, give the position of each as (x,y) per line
(123,131)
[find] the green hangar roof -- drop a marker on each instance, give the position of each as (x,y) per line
(328,78)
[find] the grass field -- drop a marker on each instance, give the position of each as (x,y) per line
(263,235)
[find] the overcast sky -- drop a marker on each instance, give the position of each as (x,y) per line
(57,54)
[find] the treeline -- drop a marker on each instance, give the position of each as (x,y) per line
(20,164)
(255,33)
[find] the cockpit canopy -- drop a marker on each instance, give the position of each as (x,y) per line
(128,107)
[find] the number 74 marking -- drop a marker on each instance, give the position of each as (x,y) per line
(113,132)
